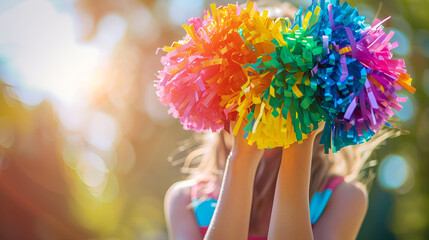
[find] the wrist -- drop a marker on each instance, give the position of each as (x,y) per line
(249,155)
(241,161)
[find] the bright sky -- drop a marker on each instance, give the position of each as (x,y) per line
(43,57)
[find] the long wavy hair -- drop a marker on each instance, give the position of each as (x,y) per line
(203,159)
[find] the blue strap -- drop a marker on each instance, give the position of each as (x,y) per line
(318,204)
(204,210)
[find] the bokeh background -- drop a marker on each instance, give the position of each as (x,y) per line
(84,141)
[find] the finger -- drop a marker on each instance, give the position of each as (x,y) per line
(232,126)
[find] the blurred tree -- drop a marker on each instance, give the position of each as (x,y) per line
(34,194)
(44,195)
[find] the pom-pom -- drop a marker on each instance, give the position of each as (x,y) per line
(356,81)
(286,108)
(282,79)
(203,74)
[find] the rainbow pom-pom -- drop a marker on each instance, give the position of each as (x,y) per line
(282,79)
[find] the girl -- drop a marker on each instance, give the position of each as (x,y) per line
(241,192)
(293,193)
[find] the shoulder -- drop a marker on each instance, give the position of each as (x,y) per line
(354,194)
(181,187)
(344,213)
(181,223)
(179,193)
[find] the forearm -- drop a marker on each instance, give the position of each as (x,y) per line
(290,218)
(232,214)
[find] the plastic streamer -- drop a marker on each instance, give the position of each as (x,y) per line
(285,110)
(203,73)
(358,78)
(282,79)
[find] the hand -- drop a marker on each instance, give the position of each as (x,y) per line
(236,190)
(241,146)
(307,144)
(319,129)
(290,216)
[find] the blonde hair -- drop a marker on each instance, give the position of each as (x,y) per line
(206,155)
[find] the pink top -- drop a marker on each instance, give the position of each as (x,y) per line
(204,209)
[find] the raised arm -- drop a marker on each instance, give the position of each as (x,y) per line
(232,215)
(290,217)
